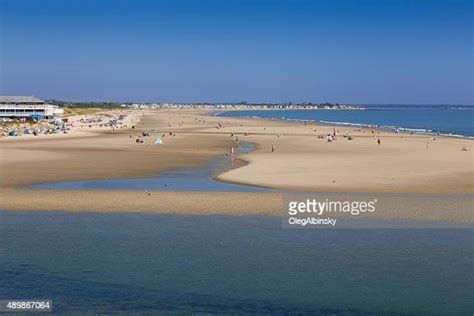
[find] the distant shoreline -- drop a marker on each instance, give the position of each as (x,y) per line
(393,129)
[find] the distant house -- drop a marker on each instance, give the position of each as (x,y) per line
(27,107)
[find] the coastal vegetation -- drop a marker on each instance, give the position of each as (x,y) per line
(84,108)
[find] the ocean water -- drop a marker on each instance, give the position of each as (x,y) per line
(448,120)
(136,263)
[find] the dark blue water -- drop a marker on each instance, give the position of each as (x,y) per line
(443,119)
(132,263)
(192,179)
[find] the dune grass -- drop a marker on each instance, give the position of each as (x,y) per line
(71,111)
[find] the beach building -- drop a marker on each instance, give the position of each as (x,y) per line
(27,107)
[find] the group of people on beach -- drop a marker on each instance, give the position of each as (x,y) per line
(330,137)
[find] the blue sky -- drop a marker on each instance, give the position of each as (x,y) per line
(359,51)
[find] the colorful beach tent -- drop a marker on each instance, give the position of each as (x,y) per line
(37,116)
(158,141)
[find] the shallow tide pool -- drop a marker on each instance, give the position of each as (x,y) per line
(190,179)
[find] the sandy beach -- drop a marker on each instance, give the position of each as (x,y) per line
(401,164)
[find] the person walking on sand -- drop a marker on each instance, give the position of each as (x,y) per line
(378,141)
(427,145)
(273,147)
(231,151)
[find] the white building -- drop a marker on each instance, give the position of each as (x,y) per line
(27,107)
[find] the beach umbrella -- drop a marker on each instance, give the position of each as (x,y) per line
(158,141)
